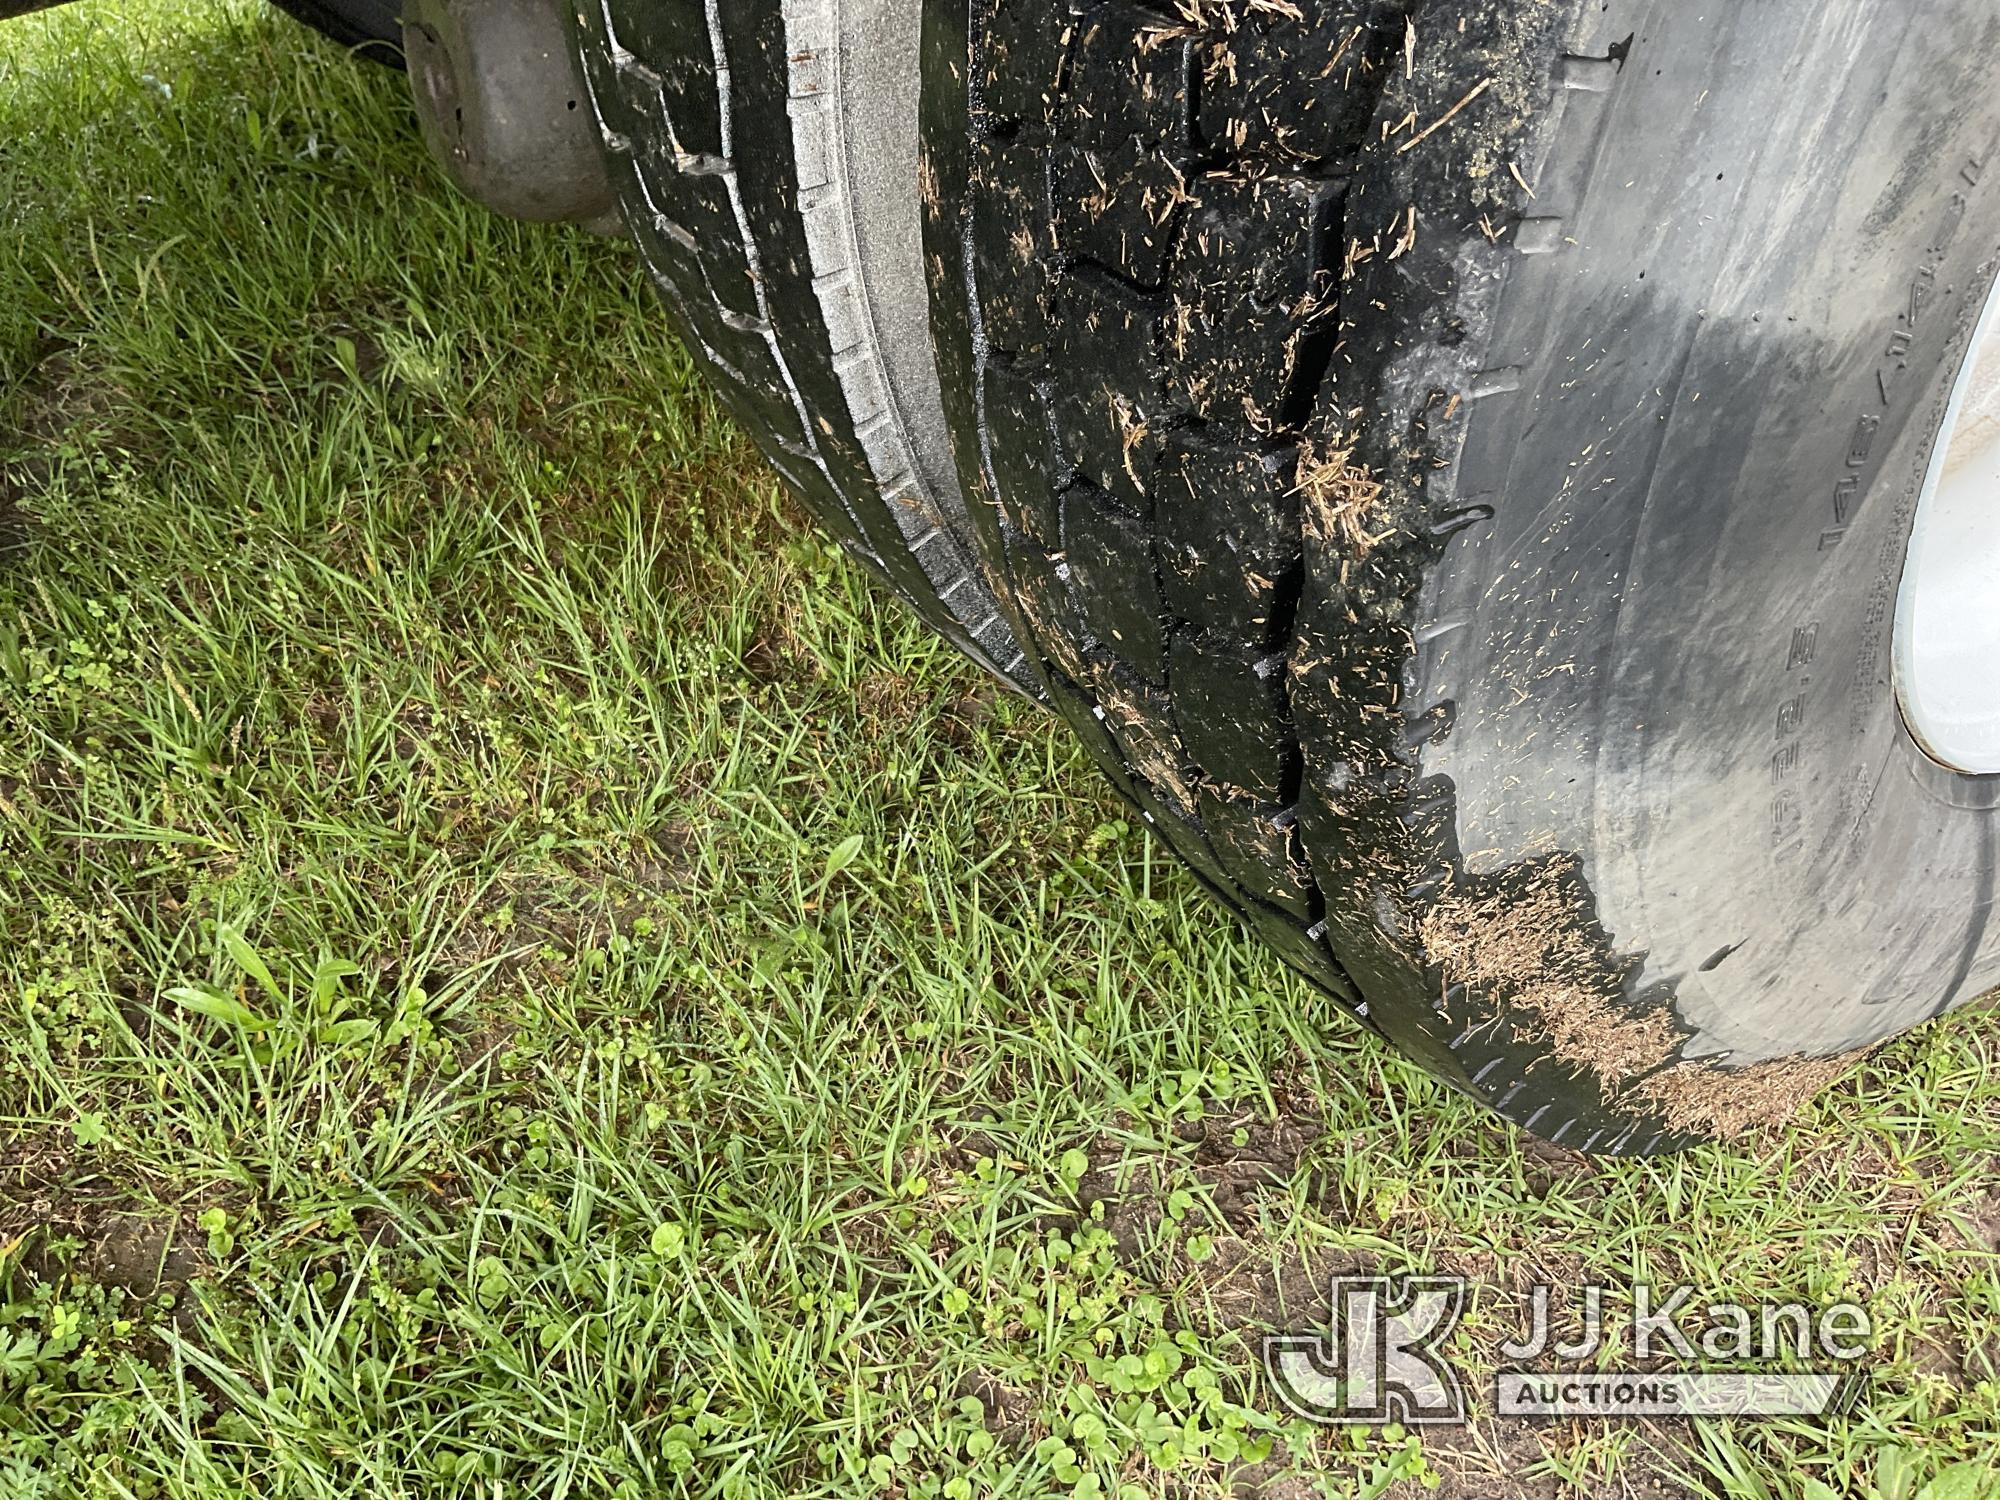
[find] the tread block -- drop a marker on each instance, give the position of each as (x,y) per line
(1008,195)
(1247,286)
(758,381)
(1313,956)
(1118,206)
(1298,87)
(670,38)
(1041,589)
(668,249)
(1024,461)
(1258,844)
(994,637)
(1260,237)
(1183,833)
(1111,574)
(1139,717)
(742,363)
(1079,709)
(1230,555)
(1129,77)
(632,97)
(1020,66)
(699,203)
(1104,378)
(1232,713)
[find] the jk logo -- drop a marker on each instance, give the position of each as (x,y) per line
(1381,1361)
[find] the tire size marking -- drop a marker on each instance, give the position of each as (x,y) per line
(1858,473)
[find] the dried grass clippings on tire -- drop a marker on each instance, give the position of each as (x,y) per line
(1154,751)
(1228,15)
(1531,953)
(1727,1102)
(1341,500)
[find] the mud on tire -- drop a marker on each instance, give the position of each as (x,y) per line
(1375,517)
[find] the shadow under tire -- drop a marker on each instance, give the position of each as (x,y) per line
(1454,466)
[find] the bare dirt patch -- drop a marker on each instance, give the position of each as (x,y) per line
(50,1196)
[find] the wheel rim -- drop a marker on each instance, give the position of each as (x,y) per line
(1948,615)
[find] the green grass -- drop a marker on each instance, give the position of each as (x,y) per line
(521,976)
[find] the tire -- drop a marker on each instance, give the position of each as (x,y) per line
(765,156)
(371,28)
(1453,463)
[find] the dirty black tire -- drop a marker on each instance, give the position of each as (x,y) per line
(764,152)
(370,28)
(1453,464)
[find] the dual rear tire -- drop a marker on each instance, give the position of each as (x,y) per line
(1453,466)
(766,157)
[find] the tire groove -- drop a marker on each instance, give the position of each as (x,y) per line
(717,200)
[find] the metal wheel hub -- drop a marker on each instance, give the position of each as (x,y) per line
(1948,615)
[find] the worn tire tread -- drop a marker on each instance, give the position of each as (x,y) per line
(724,137)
